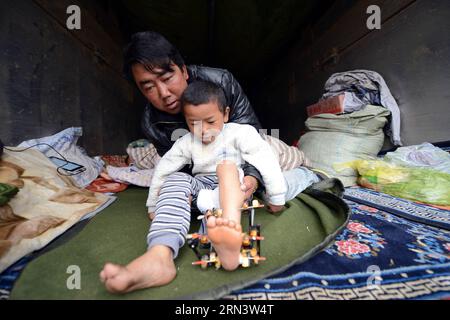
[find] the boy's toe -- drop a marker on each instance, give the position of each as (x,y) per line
(219,221)
(212,222)
(102,276)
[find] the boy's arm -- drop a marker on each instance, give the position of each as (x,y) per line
(258,153)
(175,159)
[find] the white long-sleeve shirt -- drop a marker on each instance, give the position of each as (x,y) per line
(236,142)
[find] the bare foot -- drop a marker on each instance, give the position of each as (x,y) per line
(226,238)
(153,269)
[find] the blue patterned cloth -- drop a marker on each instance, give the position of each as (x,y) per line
(404,208)
(379,256)
(10,275)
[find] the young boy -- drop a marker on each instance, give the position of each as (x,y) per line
(216,149)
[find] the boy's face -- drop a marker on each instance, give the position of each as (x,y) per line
(162,88)
(205,121)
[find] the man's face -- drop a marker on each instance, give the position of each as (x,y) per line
(162,88)
(205,121)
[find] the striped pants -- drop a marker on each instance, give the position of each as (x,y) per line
(173,209)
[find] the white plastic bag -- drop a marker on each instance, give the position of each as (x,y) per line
(65,142)
(421,156)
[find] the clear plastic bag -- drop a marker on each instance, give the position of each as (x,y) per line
(423,156)
(417,184)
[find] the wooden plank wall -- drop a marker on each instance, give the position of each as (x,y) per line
(52,78)
(411,51)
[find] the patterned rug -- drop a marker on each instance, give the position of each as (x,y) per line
(379,256)
(10,275)
(404,208)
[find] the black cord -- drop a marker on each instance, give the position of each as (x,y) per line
(39,144)
(46,144)
(66,175)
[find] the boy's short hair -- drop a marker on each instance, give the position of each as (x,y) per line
(201,92)
(151,50)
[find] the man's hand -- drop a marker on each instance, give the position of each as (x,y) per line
(249,186)
(274,208)
(105,176)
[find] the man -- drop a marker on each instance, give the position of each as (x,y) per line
(161,75)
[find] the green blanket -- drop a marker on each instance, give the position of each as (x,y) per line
(118,235)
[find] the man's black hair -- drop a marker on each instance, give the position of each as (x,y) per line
(202,92)
(151,50)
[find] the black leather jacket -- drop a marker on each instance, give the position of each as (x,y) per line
(160,127)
